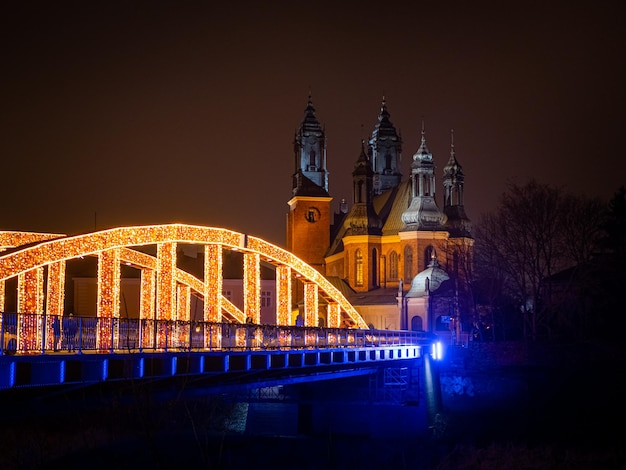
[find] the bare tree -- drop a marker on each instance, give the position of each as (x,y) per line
(581,231)
(460,267)
(492,285)
(533,234)
(582,220)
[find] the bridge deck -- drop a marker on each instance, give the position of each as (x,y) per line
(88,368)
(141,349)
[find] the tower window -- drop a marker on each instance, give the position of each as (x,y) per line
(408,263)
(393,266)
(358,255)
(429,255)
(387,163)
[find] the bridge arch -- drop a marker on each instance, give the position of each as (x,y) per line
(166,289)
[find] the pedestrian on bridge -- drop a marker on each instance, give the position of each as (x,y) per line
(56,331)
(70,328)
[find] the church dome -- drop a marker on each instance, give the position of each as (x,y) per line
(428,280)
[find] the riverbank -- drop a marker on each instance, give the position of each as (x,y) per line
(547,402)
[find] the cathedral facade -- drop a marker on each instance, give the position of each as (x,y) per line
(395,255)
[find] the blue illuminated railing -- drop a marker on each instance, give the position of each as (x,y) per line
(44,334)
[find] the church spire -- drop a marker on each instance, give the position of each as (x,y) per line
(423,213)
(453,179)
(362,219)
(386,152)
(310,155)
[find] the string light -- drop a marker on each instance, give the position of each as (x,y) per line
(252,286)
(283,295)
(327,290)
(9,239)
(212,287)
(183,309)
(160,276)
(333,315)
(311,304)
(108,306)
(56,288)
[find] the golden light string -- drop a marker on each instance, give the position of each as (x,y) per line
(333,315)
(53,248)
(147,296)
(71,247)
(56,288)
(252,286)
(166,282)
(286,258)
(147,309)
(183,308)
(11,239)
(108,303)
(212,286)
(311,304)
(30,300)
(283,295)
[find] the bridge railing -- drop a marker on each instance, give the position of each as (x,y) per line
(23,333)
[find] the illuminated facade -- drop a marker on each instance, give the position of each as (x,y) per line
(392,231)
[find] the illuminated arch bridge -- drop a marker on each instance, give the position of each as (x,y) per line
(165,289)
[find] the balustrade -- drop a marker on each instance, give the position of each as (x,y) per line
(25,333)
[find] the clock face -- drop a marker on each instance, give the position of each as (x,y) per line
(312,214)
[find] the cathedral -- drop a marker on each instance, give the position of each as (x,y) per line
(399,258)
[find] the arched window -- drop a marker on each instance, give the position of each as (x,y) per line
(388,162)
(393,266)
(427,188)
(416,323)
(374,267)
(358,265)
(442,323)
(408,263)
(429,254)
(358,192)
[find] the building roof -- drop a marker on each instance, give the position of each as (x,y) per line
(380,296)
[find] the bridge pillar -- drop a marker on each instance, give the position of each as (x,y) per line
(283,295)
(311,304)
(56,288)
(213,283)
(166,280)
(432,388)
(333,319)
(252,287)
(147,300)
(183,303)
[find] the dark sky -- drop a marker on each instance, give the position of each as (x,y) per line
(118,113)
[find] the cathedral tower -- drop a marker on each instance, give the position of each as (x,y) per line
(423,213)
(363,228)
(386,152)
(309,218)
(423,233)
(310,149)
(453,178)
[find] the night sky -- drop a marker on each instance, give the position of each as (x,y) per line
(132,113)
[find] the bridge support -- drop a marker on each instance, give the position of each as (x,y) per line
(432,389)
